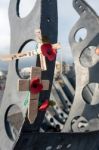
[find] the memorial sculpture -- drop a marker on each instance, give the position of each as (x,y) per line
(80,131)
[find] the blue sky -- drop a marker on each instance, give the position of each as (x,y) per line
(67,18)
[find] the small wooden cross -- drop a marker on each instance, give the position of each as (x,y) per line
(12,57)
(24,85)
(39,39)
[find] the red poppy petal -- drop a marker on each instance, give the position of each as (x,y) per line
(55,51)
(44,106)
(48,51)
(52,56)
(35,86)
(35,80)
(36,90)
(45,48)
(40,87)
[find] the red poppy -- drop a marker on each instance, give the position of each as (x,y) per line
(35,86)
(48,51)
(44,105)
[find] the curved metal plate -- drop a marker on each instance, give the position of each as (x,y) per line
(84,74)
(22,31)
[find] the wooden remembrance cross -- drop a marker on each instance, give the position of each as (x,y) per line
(40,42)
(24,85)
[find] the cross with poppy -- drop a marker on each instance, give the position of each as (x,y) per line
(45,49)
(35,85)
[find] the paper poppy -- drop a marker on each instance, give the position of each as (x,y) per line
(35,86)
(44,105)
(48,51)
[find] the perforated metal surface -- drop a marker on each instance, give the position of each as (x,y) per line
(83,112)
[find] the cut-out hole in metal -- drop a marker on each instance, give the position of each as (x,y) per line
(51,120)
(13,122)
(24,64)
(80,35)
(90,93)
(82,124)
(88,57)
(74,119)
(79,124)
(25,7)
(62,115)
(58,127)
(3,75)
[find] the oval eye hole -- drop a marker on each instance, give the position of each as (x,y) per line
(88,57)
(23,65)
(80,35)
(13,122)
(25,7)
(79,124)
(2,83)
(82,124)
(90,93)
(51,120)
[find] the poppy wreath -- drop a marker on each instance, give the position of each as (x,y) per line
(35,86)
(48,51)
